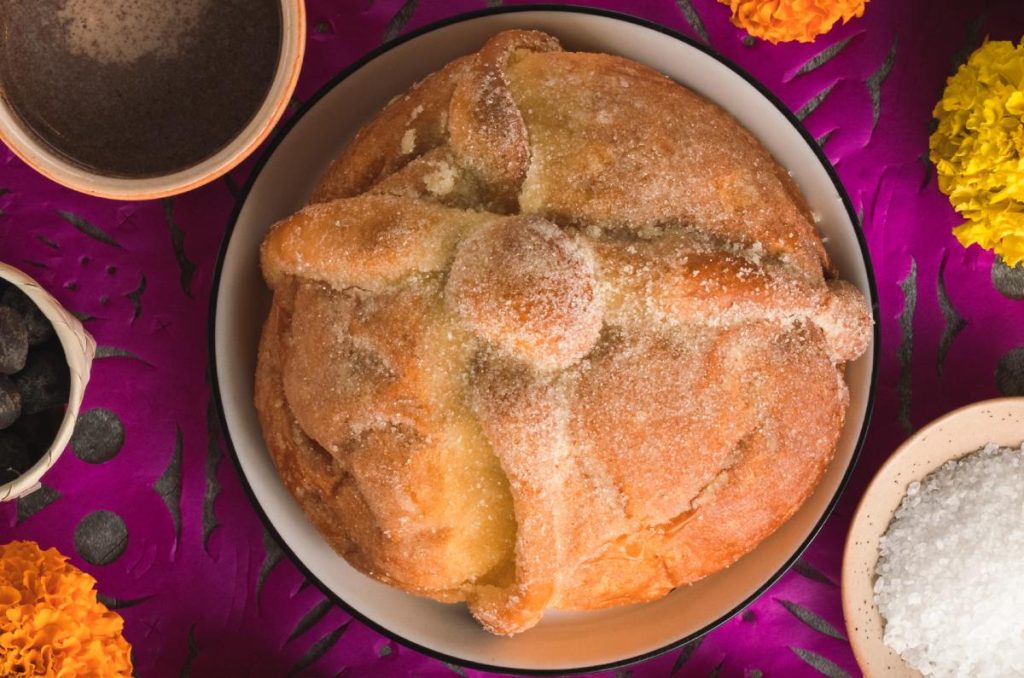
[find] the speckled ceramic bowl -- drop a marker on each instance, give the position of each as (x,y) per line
(79,350)
(958,433)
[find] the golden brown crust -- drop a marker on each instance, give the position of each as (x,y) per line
(377,151)
(617,145)
(554,332)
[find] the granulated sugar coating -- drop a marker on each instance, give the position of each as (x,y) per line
(951,569)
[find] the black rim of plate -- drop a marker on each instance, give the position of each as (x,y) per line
(283,132)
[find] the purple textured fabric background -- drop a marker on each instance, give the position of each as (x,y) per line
(204,590)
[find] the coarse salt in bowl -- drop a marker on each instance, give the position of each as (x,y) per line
(950,585)
(932,580)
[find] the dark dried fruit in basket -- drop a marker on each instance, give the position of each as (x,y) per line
(45,381)
(38,430)
(10,402)
(15,457)
(38,327)
(13,341)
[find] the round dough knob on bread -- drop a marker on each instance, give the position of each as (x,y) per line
(524,285)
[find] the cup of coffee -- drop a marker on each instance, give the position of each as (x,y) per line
(140,99)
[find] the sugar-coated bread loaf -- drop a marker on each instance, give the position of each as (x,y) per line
(553,332)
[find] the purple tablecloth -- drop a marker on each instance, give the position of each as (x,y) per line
(205,591)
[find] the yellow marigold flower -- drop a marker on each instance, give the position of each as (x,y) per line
(788,20)
(50,621)
(978,148)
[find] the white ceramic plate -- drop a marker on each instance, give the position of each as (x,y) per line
(563,641)
(950,437)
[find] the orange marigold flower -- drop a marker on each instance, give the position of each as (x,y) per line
(788,20)
(50,621)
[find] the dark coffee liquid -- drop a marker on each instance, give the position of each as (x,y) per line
(137,88)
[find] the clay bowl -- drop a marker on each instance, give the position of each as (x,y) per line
(54,165)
